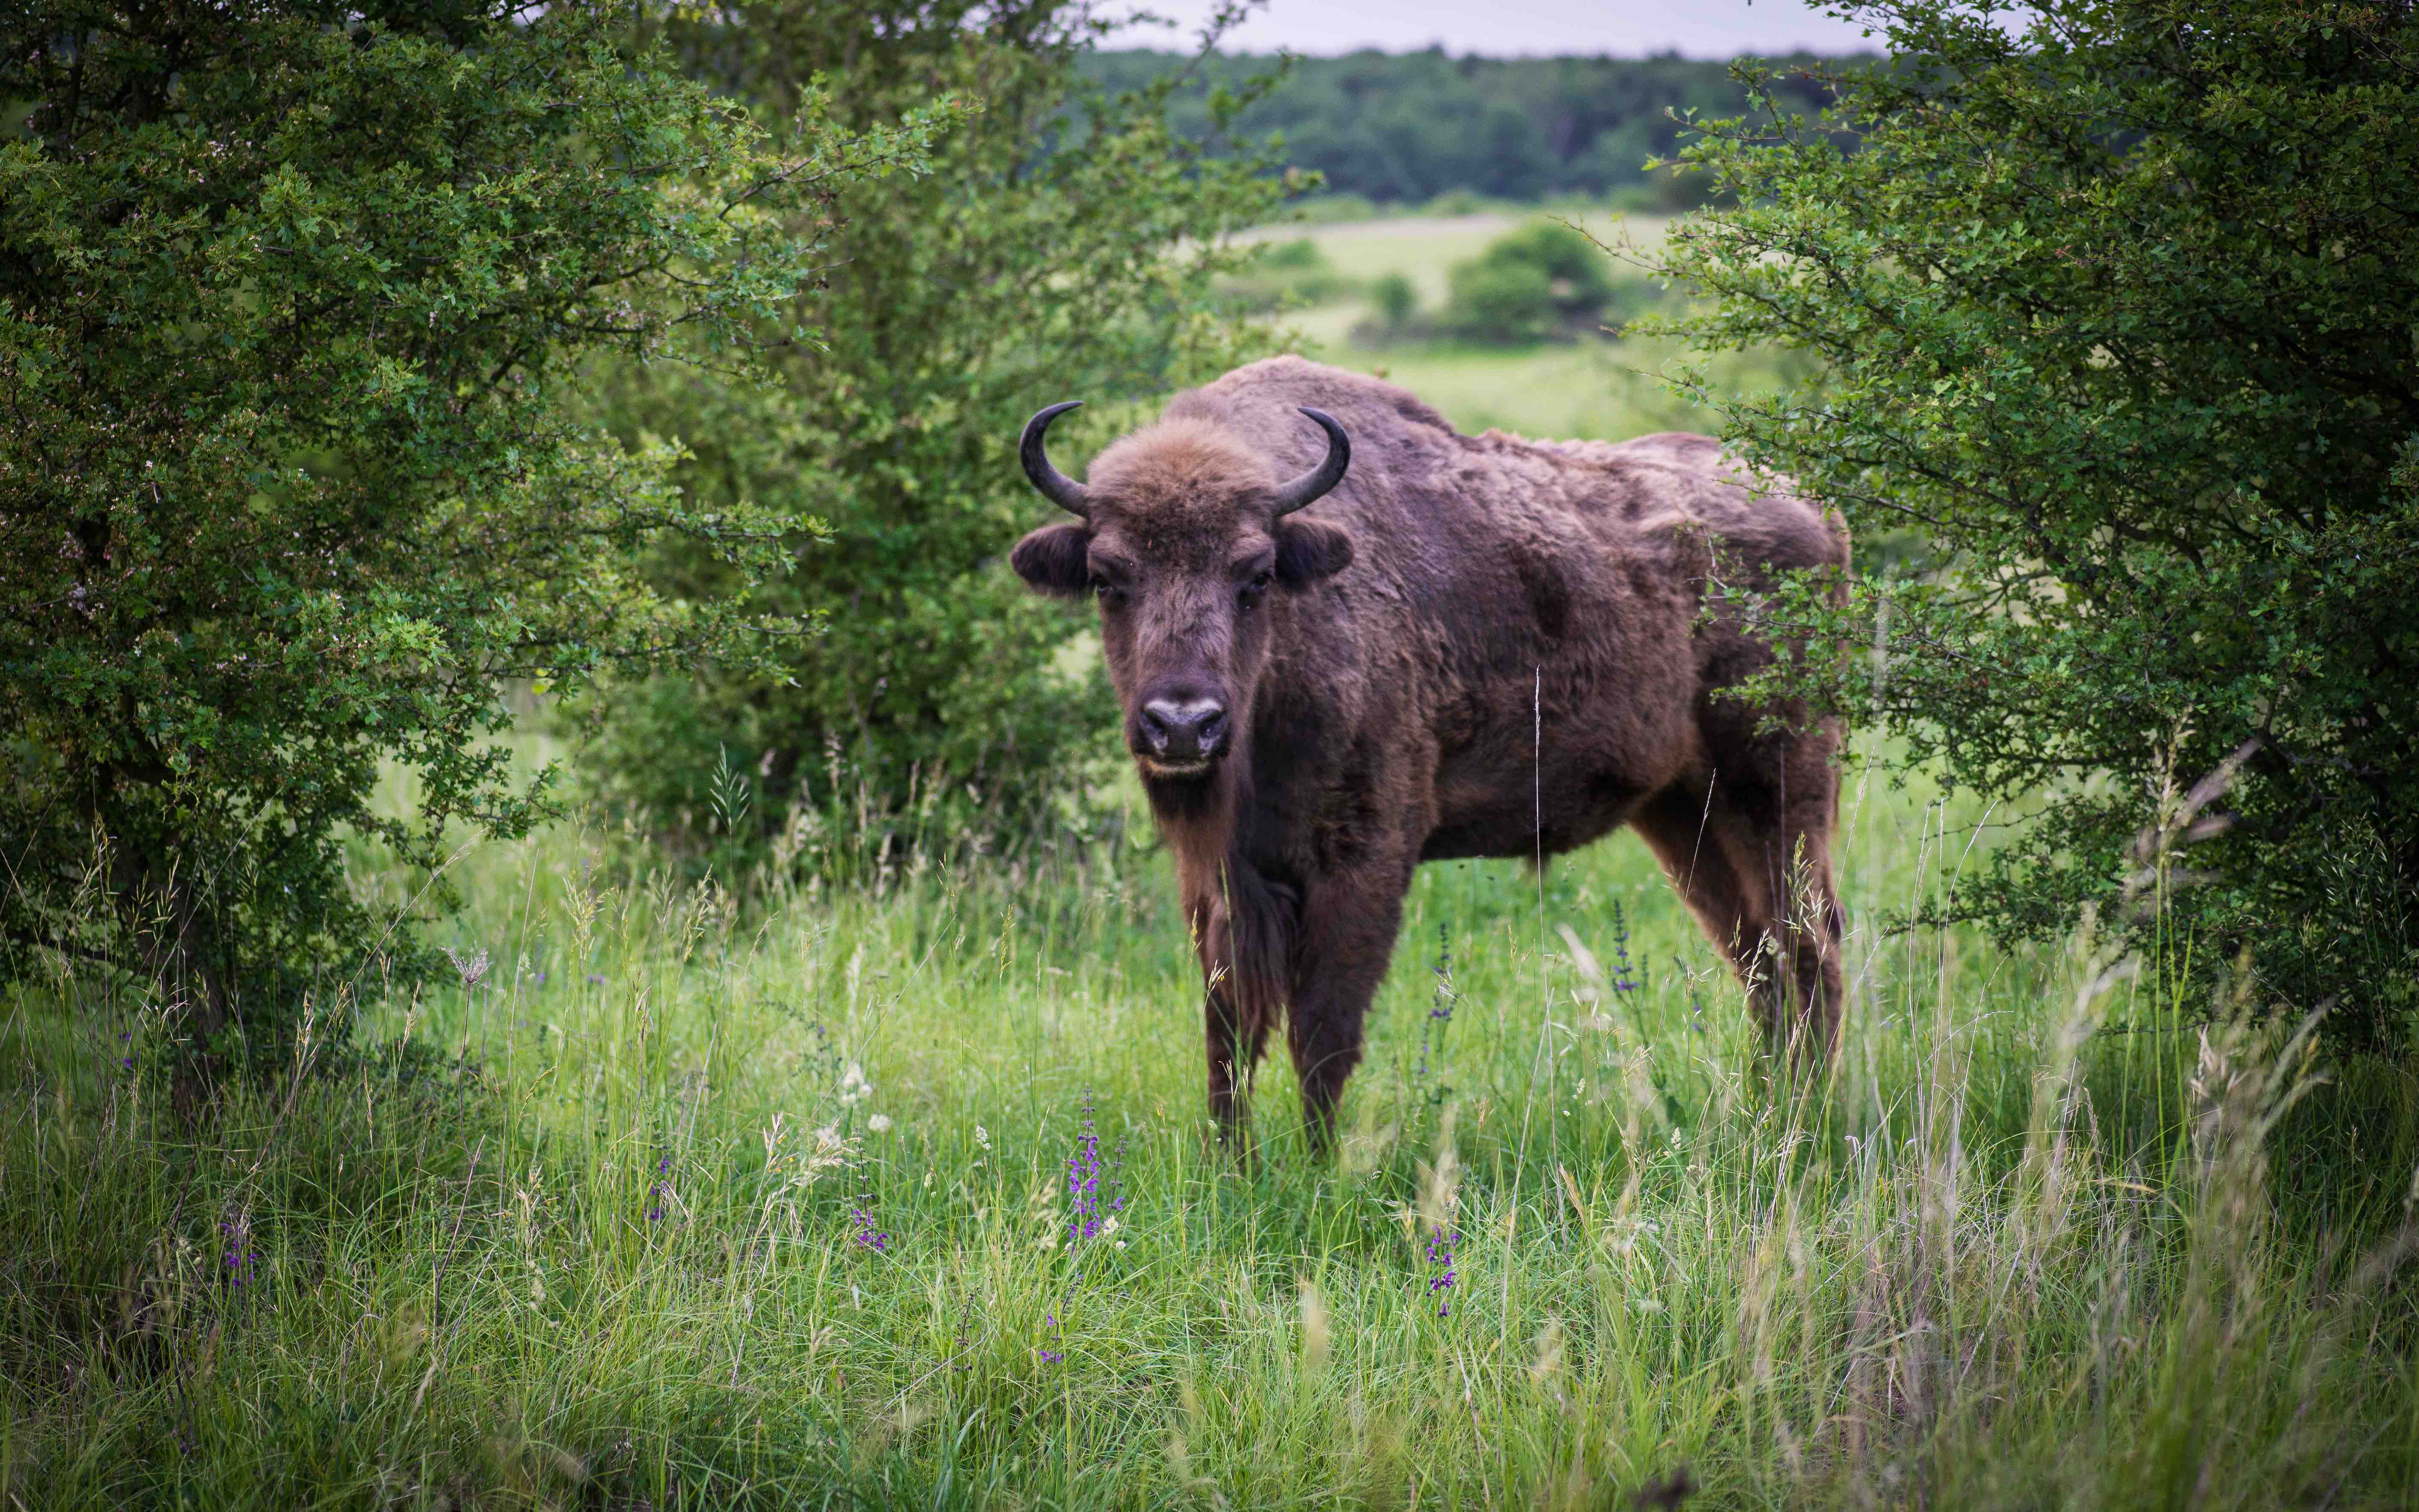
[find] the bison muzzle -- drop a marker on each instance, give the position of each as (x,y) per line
(1347,639)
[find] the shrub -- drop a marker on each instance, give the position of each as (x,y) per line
(1457,202)
(1397,299)
(1285,276)
(1299,255)
(1502,301)
(1063,246)
(287,487)
(2117,309)
(1541,281)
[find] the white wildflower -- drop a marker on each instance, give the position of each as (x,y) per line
(472,969)
(879,1123)
(853,1087)
(831,1154)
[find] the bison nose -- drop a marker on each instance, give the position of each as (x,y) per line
(1184,732)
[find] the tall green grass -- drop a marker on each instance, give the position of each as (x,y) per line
(688,1200)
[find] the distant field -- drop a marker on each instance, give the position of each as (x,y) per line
(1600,389)
(1424,246)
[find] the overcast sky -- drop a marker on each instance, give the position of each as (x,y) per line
(1624,28)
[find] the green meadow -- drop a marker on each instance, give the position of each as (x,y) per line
(902,1194)
(1597,388)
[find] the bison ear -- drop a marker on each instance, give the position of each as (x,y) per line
(1052,560)
(1310,549)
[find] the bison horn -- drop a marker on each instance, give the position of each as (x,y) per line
(1318,480)
(1056,485)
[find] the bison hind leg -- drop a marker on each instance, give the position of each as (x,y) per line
(1758,877)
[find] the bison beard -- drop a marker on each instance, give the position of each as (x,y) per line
(1347,646)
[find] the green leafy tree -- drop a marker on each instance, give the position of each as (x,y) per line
(1407,128)
(2121,311)
(287,487)
(1065,245)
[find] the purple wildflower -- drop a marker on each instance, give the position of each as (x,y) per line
(1083,1181)
(1624,980)
(868,1237)
(1094,1199)
(659,1190)
(234,1236)
(1439,1010)
(1441,1243)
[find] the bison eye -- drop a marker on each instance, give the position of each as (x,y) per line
(1109,594)
(1249,594)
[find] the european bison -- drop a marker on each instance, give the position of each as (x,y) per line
(1351,643)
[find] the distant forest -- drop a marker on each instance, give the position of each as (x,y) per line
(1404,127)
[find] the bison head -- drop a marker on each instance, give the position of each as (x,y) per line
(1181,535)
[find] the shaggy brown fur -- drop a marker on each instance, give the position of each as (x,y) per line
(1473,646)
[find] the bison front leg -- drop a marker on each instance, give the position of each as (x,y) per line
(1349,923)
(1242,983)
(1235,1038)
